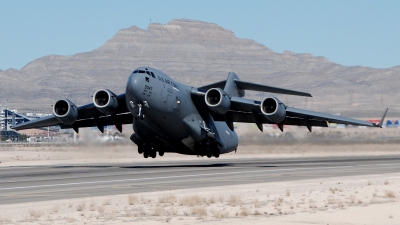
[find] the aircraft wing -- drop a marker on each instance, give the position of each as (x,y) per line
(294,116)
(88,116)
(249,111)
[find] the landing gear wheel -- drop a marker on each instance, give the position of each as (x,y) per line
(145,154)
(141,149)
(216,155)
(153,154)
(209,155)
(161,153)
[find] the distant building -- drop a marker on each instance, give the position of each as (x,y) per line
(8,116)
(9,135)
(392,123)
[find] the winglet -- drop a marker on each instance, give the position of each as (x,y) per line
(383,118)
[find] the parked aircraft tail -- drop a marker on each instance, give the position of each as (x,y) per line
(383,118)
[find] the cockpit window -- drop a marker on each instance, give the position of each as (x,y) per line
(148,72)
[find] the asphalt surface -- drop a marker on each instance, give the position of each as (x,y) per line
(39,183)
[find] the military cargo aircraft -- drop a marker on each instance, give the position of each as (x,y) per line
(168,116)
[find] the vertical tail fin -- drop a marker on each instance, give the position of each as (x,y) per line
(230,86)
(383,118)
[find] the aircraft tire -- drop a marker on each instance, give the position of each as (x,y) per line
(145,154)
(209,155)
(161,153)
(153,154)
(140,149)
(216,155)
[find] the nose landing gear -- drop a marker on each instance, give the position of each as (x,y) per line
(140,114)
(140,104)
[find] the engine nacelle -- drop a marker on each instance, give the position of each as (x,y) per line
(65,111)
(105,101)
(218,100)
(273,109)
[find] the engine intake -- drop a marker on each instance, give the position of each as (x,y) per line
(65,111)
(273,109)
(105,101)
(218,100)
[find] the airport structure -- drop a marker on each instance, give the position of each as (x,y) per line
(7,119)
(12,117)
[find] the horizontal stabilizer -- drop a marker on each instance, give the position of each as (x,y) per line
(264,88)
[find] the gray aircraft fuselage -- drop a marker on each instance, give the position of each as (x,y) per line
(171,118)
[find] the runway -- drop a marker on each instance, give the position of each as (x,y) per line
(39,183)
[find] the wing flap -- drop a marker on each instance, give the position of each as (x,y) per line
(246,117)
(104,121)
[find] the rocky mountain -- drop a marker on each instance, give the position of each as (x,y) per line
(197,53)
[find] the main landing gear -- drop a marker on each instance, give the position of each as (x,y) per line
(209,149)
(150,150)
(211,154)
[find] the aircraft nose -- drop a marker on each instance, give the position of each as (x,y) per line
(135,85)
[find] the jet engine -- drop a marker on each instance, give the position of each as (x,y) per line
(65,111)
(105,101)
(218,100)
(273,109)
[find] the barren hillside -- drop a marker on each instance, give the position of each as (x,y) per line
(197,53)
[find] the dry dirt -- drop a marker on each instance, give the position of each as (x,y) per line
(341,200)
(370,199)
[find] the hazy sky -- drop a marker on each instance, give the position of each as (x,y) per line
(365,33)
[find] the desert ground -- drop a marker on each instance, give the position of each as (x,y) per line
(369,199)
